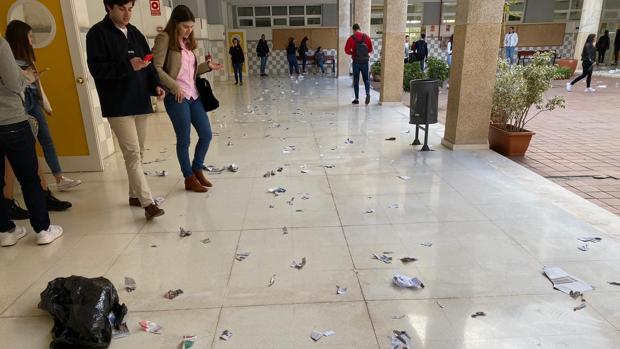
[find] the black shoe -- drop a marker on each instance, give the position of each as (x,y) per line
(53,204)
(356,101)
(236,82)
(16,213)
(367,100)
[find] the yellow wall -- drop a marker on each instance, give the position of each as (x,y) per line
(66,124)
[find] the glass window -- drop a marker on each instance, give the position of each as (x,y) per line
(610,14)
(612,4)
(313,10)
(246,22)
(314,20)
(280,22)
(576,4)
(559,16)
(376,21)
(263,22)
(449,8)
(245,11)
(296,10)
(515,17)
(562,4)
(262,10)
(279,10)
(574,15)
(415,8)
(297,21)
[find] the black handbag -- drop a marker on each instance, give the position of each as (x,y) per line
(209,102)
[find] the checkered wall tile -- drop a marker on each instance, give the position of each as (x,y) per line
(220,54)
(277,63)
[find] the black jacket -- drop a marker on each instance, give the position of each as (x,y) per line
(421,50)
(290,49)
(603,43)
(588,53)
(262,49)
(303,48)
(236,54)
(617,41)
(122,91)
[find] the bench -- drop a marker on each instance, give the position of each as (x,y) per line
(330,61)
(528,55)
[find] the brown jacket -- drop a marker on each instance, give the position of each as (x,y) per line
(168,63)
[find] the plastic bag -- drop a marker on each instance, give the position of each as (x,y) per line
(81,309)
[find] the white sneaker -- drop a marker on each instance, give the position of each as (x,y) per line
(590,89)
(10,238)
(48,236)
(68,183)
(569,87)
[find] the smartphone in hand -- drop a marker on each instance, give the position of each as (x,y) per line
(148,57)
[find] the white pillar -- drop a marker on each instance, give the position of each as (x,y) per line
(361,14)
(589,23)
(344,31)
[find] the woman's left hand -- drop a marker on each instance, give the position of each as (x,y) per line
(215,66)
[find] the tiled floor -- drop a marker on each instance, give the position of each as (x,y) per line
(577,147)
(493,226)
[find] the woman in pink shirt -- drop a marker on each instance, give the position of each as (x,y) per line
(176,62)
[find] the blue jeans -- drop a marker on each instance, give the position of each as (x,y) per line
(363,69)
(45,139)
(422,64)
(510,52)
(238,67)
(183,115)
(321,65)
(18,145)
(263,64)
(292,63)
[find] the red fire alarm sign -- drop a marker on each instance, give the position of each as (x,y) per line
(155,8)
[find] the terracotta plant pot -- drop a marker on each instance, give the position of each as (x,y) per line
(376,77)
(568,63)
(509,143)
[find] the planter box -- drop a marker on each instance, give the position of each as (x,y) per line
(509,143)
(568,63)
(376,77)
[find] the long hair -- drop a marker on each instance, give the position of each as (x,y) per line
(17,37)
(590,39)
(180,14)
(304,41)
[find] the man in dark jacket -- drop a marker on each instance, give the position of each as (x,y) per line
(602,46)
(262,50)
(420,50)
(125,82)
(237,58)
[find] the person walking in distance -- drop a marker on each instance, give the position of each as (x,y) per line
(262,51)
(176,60)
(588,56)
(602,45)
(303,53)
(119,61)
(511,40)
(237,58)
(291,56)
(17,144)
(420,50)
(359,47)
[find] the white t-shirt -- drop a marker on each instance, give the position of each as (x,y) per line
(124,30)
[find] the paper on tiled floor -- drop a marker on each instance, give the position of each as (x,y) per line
(564,282)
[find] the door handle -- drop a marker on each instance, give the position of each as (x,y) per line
(80,80)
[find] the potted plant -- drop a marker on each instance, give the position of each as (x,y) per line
(438,69)
(517,89)
(567,63)
(375,70)
(563,73)
(413,71)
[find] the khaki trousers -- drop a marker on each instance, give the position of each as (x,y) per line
(131,133)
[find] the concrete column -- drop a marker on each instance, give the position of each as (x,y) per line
(394,25)
(344,31)
(472,80)
(361,14)
(589,23)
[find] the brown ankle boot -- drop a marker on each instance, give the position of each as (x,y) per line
(134,202)
(200,176)
(152,211)
(192,184)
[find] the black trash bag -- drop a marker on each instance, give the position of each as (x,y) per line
(81,309)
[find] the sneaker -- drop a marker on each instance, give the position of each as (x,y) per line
(356,101)
(54,204)
(16,213)
(67,183)
(367,100)
(241,83)
(11,237)
(569,87)
(590,89)
(50,235)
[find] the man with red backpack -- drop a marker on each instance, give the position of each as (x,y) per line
(359,47)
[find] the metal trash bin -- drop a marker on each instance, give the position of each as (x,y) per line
(424,105)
